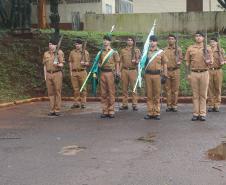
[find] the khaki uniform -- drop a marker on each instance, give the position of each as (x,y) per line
(79,75)
(107,84)
(173,74)
(53,80)
(153,82)
(215,80)
(199,77)
(128,73)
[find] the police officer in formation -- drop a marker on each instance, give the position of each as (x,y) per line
(53,63)
(109,68)
(129,59)
(79,60)
(215,76)
(198,59)
(175,58)
(154,68)
(203,68)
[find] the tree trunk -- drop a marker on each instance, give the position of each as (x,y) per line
(42,23)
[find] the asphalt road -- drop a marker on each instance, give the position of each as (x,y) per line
(108,151)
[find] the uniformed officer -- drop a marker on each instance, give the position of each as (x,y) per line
(79,60)
(175,57)
(109,67)
(129,58)
(53,76)
(156,66)
(215,76)
(198,58)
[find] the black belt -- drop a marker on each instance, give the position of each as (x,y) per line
(78,70)
(129,68)
(172,68)
(199,70)
(51,72)
(153,72)
(106,70)
(215,68)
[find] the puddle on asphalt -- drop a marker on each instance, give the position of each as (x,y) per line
(218,153)
(149,138)
(71,150)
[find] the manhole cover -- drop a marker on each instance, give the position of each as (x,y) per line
(71,150)
(218,153)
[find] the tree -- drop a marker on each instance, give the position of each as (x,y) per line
(4,15)
(54,16)
(222,3)
(42,23)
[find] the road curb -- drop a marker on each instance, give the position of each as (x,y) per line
(187,99)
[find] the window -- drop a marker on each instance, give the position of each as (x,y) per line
(108,9)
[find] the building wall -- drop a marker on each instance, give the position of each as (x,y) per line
(211,5)
(123,6)
(166,22)
(66,10)
(109,2)
(156,6)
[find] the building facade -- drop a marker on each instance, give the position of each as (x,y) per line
(155,6)
(123,6)
(72,12)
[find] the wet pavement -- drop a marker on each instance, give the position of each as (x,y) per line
(79,148)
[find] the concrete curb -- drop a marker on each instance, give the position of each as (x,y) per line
(187,99)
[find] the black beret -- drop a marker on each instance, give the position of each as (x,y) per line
(214,38)
(172,35)
(78,41)
(200,33)
(153,38)
(54,40)
(107,37)
(131,37)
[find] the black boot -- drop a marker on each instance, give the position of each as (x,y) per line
(123,107)
(103,116)
(147,117)
(195,118)
(202,118)
(157,117)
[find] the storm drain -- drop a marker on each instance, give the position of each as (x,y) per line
(71,150)
(218,153)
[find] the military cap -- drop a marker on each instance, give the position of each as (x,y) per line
(214,38)
(54,40)
(172,35)
(200,33)
(107,37)
(153,38)
(131,37)
(78,41)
